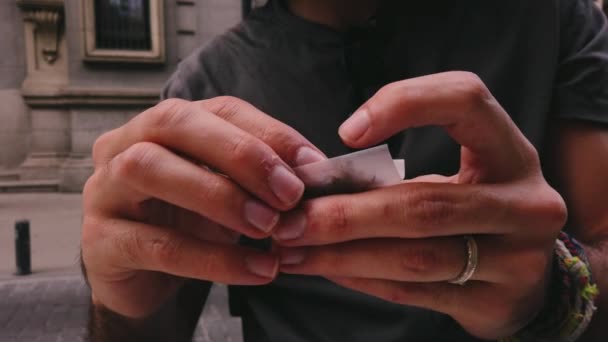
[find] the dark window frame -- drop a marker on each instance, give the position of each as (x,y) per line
(125,50)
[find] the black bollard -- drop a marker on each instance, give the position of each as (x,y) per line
(22,248)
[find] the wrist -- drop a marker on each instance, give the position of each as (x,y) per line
(569,301)
(106,325)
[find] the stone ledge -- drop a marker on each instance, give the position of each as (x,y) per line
(37,4)
(92,97)
(9,175)
(21,186)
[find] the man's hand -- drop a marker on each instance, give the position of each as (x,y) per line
(404,243)
(155,212)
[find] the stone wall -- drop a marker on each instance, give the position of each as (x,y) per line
(55,103)
(14,125)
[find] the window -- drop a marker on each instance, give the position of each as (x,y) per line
(122,24)
(124,31)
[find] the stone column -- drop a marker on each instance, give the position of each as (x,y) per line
(15,127)
(46,75)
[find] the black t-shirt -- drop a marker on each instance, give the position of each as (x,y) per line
(544,60)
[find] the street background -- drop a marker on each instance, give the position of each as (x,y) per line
(51,304)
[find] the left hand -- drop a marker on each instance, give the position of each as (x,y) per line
(404,243)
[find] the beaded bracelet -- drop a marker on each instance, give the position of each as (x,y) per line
(570,301)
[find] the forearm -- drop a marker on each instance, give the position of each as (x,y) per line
(598,258)
(581,158)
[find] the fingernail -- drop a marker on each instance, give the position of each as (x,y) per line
(262,265)
(292,227)
(292,256)
(354,128)
(285,185)
(260,215)
(307,155)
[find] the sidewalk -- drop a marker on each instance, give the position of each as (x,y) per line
(55,231)
(51,304)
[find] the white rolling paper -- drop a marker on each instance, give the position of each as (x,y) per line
(354,172)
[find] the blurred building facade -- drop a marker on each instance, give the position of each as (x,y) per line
(72,69)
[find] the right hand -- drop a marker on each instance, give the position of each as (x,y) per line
(155,213)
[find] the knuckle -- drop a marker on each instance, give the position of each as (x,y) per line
(396,210)
(419,261)
(548,207)
(335,219)
(475,89)
(388,94)
(90,186)
(529,159)
(92,231)
(90,192)
(90,238)
(286,138)
(165,248)
(391,88)
(242,147)
(432,208)
(476,93)
(99,154)
(129,246)
(215,189)
(556,210)
(225,107)
(170,105)
(530,152)
(166,115)
(492,202)
(138,160)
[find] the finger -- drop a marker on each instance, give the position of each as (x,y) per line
(417,260)
(166,215)
(457,101)
(409,210)
(200,135)
(288,143)
(138,246)
(433,178)
(155,172)
(210,231)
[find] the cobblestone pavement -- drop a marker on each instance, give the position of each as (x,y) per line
(55,310)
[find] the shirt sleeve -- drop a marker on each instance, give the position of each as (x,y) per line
(182,84)
(176,88)
(581,86)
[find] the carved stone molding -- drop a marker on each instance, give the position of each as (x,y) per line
(47,25)
(95,97)
(47,18)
